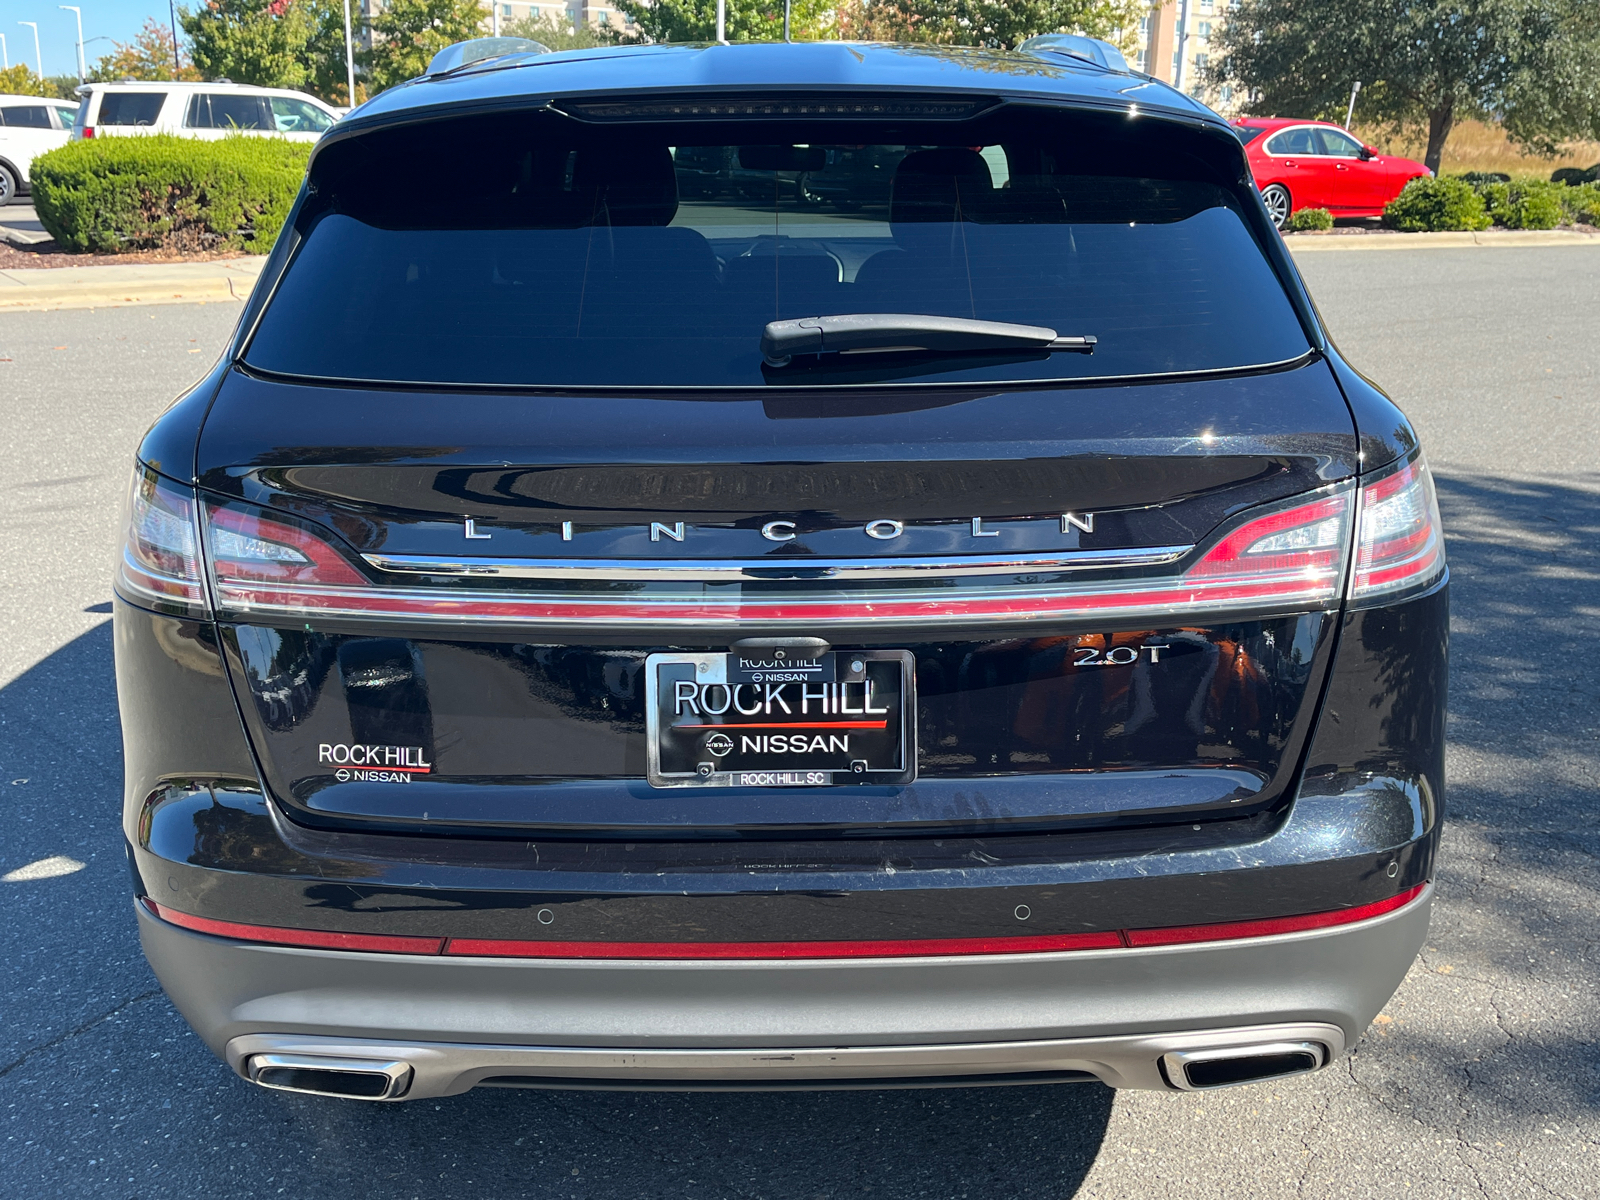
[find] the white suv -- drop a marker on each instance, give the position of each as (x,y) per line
(29,125)
(200,110)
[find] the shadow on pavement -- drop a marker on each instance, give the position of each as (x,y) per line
(1498,1025)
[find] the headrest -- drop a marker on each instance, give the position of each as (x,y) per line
(626,185)
(935,185)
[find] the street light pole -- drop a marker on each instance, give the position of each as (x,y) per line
(77,12)
(722,20)
(787,5)
(5,55)
(349,59)
(177,63)
(38,59)
(1349,113)
(1183,44)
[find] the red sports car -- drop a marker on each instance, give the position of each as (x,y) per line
(1316,164)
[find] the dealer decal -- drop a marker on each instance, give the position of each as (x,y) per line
(373,764)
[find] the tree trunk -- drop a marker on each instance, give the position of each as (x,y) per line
(1440,121)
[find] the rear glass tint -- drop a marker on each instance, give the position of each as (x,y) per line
(26,116)
(577,255)
(130,108)
(225,111)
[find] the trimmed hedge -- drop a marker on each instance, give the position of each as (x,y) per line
(168,193)
(1582,203)
(1524,205)
(1434,204)
(1309,220)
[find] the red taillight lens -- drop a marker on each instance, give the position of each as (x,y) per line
(88,131)
(1399,542)
(247,547)
(1304,543)
(160,562)
(270,562)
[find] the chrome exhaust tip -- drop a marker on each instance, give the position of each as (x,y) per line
(344,1078)
(1234,1066)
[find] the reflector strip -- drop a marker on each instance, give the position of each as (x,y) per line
(316,939)
(1113,939)
(1184,934)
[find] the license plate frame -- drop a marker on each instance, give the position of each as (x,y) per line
(886,755)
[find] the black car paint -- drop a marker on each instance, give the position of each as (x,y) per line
(1362,825)
(1353,817)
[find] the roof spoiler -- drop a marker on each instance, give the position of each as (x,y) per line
(476,50)
(1094,50)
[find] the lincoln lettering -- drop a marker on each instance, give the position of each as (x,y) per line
(852,698)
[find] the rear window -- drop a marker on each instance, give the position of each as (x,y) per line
(130,108)
(1248,133)
(574,254)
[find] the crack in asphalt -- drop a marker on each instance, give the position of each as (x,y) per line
(77,1031)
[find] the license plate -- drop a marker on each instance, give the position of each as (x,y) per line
(726,720)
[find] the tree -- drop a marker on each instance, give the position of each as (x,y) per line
(559,33)
(324,49)
(746,20)
(995,24)
(21,81)
(408,33)
(1424,63)
(151,55)
(261,42)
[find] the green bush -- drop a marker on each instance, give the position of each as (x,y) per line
(1309,220)
(168,193)
(1582,203)
(1433,204)
(1524,204)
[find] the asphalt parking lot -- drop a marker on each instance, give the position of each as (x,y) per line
(1479,1079)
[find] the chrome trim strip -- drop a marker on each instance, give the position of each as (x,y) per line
(733,571)
(450,1068)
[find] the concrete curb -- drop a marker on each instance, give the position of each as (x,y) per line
(48,288)
(1315,242)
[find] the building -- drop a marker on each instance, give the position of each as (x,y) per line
(1183,61)
(577,12)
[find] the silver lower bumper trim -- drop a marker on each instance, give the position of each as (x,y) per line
(447,1069)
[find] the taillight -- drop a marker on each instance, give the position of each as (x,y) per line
(159,566)
(88,131)
(250,548)
(1299,549)
(1399,540)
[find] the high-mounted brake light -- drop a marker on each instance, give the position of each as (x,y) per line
(1292,559)
(159,566)
(1399,541)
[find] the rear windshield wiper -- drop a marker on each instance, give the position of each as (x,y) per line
(884,333)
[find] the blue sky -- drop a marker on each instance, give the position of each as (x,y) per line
(58,32)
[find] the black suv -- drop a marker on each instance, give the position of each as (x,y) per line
(592,630)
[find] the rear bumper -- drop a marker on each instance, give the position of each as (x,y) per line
(1108,1014)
